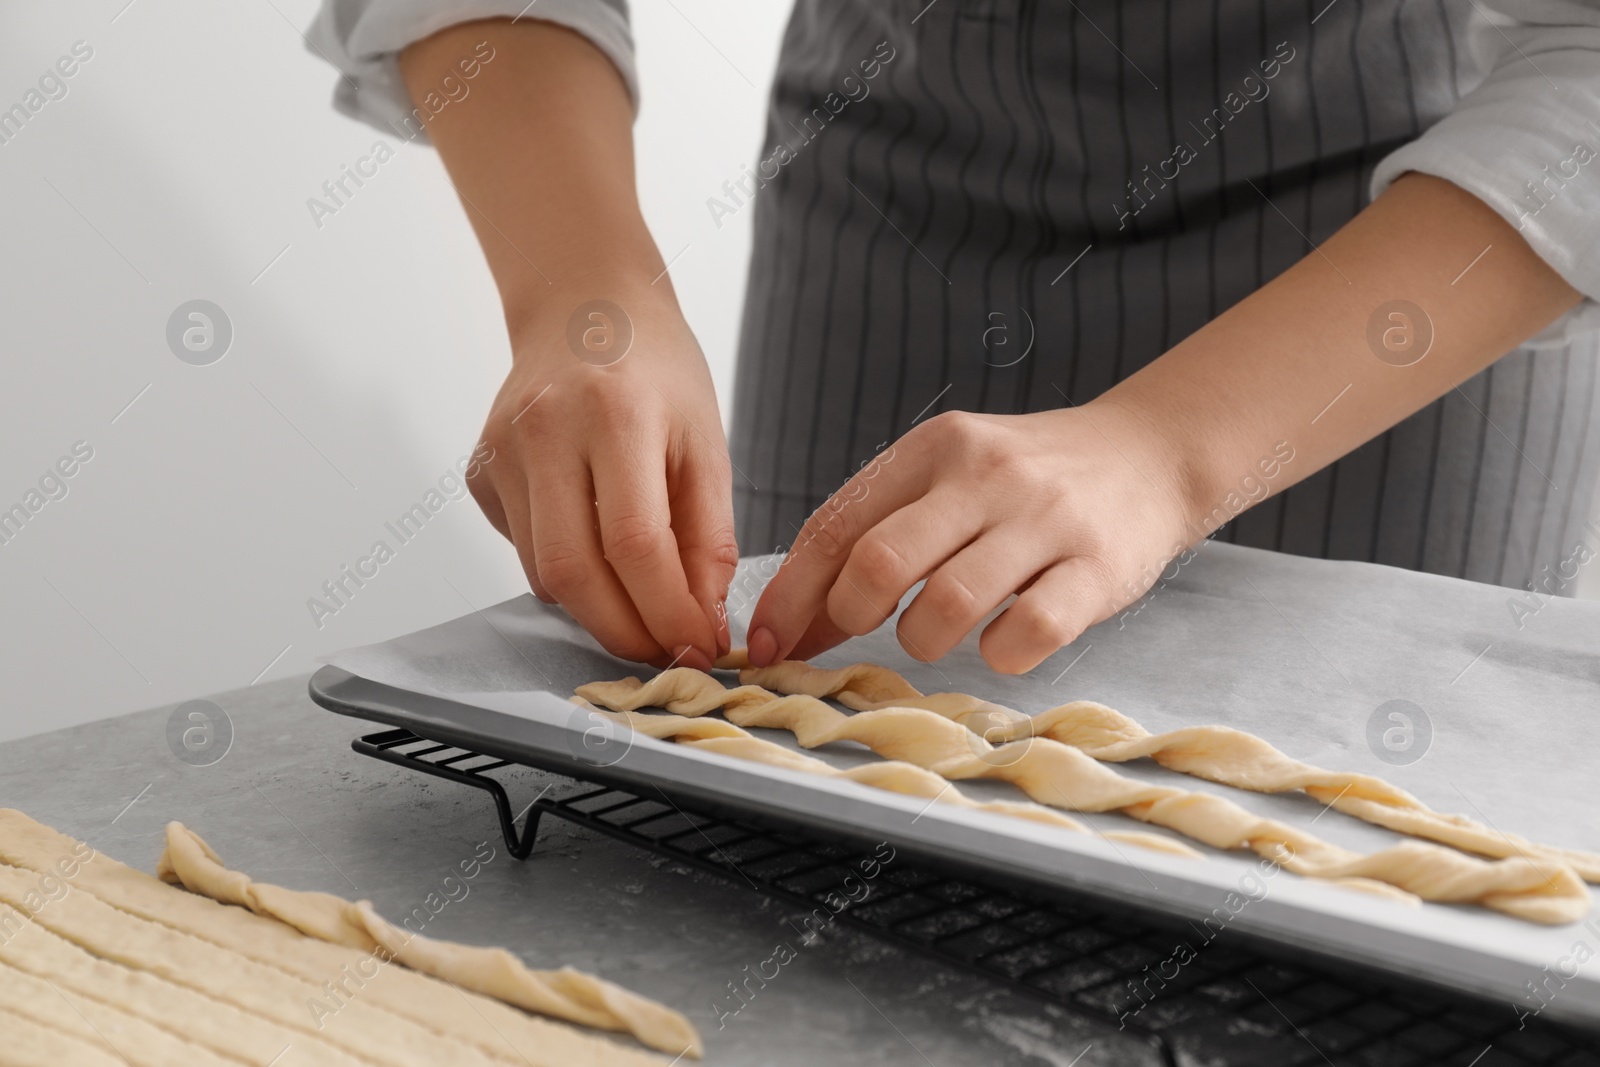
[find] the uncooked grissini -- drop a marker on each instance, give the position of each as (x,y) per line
(1216,753)
(565,994)
(1539,890)
(177,976)
(895,776)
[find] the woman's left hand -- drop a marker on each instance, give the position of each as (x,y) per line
(1077,511)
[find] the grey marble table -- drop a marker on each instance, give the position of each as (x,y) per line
(290,803)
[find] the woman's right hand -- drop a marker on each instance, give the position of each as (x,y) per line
(610,473)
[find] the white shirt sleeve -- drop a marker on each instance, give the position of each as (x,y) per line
(1524,138)
(363,39)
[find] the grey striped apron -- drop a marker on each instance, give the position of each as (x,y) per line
(981,179)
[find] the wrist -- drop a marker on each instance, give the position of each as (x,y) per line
(1213,466)
(1162,447)
(540,319)
(598,248)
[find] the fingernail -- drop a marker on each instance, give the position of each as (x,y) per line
(689,656)
(763,647)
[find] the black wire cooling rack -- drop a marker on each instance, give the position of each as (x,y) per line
(1234,1003)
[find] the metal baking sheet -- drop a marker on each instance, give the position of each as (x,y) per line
(1498,693)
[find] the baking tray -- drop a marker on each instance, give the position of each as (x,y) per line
(548,732)
(1313,655)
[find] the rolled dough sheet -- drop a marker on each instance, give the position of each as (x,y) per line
(208,1022)
(238,985)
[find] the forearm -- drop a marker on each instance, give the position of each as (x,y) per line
(542,156)
(1292,362)
(615,490)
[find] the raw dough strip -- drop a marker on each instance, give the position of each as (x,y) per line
(214,1024)
(1216,753)
(112,1029)
(564,994)
(404,994)
(32,1044)
(1065,777)
(895,776)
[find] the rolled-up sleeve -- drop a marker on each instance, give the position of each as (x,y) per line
(364,38)
(1525,140)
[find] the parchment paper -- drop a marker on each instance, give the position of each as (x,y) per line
(1502,708)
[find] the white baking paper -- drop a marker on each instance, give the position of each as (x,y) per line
(1501,723)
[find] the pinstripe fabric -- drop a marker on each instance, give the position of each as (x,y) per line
(995,151)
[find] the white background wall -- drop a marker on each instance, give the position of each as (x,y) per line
(178,167)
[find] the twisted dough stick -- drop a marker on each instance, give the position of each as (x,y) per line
(720,735)
(565,994)
(1217,753)
(1065,777)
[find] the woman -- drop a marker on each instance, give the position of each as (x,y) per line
(1054,290)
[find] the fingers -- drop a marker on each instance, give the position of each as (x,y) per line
(958,595)
(820,636)
(637,536)
(503,498)
(702,518)
(895,555)
(572,566)
(1066,599)
(799,591)
(488,499)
